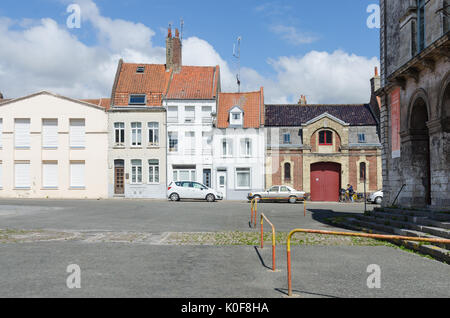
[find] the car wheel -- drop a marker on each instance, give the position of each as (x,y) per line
(378,200)
(174,197)
(210,198)
(292,200)
(257,198)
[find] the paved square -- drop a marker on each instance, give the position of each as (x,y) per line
(123,251)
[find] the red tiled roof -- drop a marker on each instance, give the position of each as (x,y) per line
(195,82)
(102,102)
(153,82)
(252,103)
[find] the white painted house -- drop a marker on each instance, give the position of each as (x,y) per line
(239,144)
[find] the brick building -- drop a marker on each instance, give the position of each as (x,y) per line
(415,94)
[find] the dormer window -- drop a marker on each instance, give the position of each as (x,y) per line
(140,69)
(236,116)
(137,100)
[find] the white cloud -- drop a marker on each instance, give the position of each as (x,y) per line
(42,55)
(292,35)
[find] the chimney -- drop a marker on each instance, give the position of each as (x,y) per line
(302,100)
(375,82)
(173,51)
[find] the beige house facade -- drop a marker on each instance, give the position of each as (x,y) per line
(53,147)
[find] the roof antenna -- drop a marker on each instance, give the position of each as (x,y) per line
(237,55)
(181,30)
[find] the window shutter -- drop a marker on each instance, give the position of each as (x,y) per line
(22,175)
(50,175)
(77,171)
(77,133)
(50,133)
(22,133)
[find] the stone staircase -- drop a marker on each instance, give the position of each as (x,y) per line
(427,224)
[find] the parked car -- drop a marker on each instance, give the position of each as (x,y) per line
(192,190)
(376,197)
(279,194)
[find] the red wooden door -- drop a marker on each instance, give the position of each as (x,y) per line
(325,182)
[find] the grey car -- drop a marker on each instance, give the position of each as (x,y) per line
(279,194)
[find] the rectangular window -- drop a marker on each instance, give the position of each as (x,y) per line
(119,133)
(50,133)
(186,174)
(153,171)
(206,114)
(136,171)
(361,138)
(243,178)
(189,114)
(77,133)
(189,143)
(287,138)
(22,175)
(246,147)
(137,99)
(50,175)
(136,134)
(227,150)
(420,25)
(172,114)
(22,133)
(140,69)
(153,134)
(173,141)
(77,175)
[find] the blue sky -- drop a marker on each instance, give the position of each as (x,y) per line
(278,36)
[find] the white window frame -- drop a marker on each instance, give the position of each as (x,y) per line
(241,170)
(236,122)
(48,184)
(27,167)
(50,134)
(362,138)
(206,114)
(177,146)
(136,135)
(136,171)
(189,114)
(228,151)
(192,174)
(154,171)
(153,131)
(26,134)
(78,167)
(77,134)
(171,111)
(246,147)
(287,136)
(190,148)
(119,131)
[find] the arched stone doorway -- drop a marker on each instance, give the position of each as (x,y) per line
(419,153)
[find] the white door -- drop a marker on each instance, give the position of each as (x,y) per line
(222,183)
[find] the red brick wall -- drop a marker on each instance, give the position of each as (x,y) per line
(373,173)
(353,171)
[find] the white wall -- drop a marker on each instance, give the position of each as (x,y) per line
(47,106)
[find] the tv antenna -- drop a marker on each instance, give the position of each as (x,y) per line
(181,30)
(237,55)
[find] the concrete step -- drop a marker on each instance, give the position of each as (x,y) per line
(413,222)
(436,252)
(435,215)
(397,229)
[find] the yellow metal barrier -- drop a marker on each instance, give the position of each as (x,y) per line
(254,208)
(274,243)
(374,236)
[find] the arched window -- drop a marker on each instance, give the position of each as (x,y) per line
(326,138)
(287,172)
(362,172)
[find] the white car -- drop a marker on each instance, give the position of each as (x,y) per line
(192,190)
(376,197)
